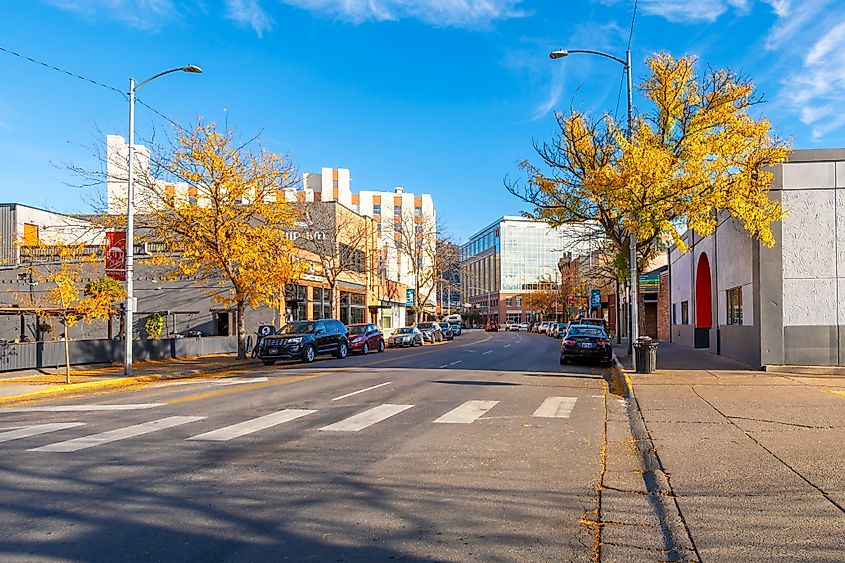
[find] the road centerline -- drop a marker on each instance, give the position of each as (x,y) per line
(361,391)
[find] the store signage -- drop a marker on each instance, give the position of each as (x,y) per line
(311,277)
(115,255)
(409,297)
(595,298)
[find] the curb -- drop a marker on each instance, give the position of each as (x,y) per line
(621,377)
(119,382)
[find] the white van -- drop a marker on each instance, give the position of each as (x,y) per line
(453,319)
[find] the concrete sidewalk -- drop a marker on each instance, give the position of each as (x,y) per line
(738,464)
(33,384)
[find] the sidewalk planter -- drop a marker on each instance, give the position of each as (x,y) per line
(645,350)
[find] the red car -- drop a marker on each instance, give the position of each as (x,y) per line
(492,326)
(364,338)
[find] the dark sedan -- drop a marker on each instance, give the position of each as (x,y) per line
(584,342)
(446,328)
(363,338)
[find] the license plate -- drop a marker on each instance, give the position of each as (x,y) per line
(273,350)
(587,345)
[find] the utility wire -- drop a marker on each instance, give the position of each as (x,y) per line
(622,81)
(633,18)
(63,71)
(91,81)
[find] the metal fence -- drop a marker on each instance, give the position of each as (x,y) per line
(34,355)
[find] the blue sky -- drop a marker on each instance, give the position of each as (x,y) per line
(439,96)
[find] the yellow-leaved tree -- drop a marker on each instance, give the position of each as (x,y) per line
(60,269)
(226,222)
(696,150)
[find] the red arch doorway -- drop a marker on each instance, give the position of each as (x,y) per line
(703,302)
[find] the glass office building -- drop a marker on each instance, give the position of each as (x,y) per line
(506,260)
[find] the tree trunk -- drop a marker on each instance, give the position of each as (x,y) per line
(67,355)
(241,332)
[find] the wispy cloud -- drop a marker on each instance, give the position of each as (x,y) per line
(447,13)
(817,90)
(794,20)
(140,14)
(249,13)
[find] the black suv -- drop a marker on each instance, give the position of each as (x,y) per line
(304,340)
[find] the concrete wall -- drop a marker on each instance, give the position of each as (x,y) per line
(813,248)
(38,355)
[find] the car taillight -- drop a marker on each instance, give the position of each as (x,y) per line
(570,342)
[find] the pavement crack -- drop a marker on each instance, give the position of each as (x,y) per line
(821,491)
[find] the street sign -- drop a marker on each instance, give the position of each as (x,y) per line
(409,297)
(595,298)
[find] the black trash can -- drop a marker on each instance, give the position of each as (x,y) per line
(645,354)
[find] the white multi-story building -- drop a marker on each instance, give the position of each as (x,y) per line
(392,211)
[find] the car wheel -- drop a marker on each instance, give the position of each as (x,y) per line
(381,345)
(308,354)
(342,350)
(365,349)
(268,362)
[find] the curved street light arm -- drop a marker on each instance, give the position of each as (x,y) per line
(565,52)
(188,68)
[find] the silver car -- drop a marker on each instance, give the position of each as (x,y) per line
(405,336)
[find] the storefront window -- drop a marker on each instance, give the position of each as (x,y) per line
(321,303)
(684,312)
(734,299)
(351,307)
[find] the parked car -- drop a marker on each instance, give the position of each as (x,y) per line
(406,336)
(551,329)
(559,330)
(456,329)
(431,332)
(305,340)
(593,321)
(586,342)
(543,328)
(513,327)
(364,337)
(491,326)
(447,331)
(523,326)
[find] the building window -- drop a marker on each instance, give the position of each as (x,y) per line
(321,305)
(518,301)
(734,299)
(684,312)
(377,209)
(418,211)
(351,307)
(674,313)
(508,301)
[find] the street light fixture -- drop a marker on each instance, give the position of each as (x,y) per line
(632,259)
(131,302)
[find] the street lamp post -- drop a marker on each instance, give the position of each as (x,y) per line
(632,258)
(130,305)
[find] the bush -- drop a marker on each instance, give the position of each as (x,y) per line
(154,325)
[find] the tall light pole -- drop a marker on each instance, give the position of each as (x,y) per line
(131,302)
(632,258)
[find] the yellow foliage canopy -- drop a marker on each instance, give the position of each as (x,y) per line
(697,152)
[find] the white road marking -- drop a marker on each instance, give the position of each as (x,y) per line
(507,345)
(83,408)
(115,435)
(556,407)
(487,352)
(254,425)
(361,391)
(36,430)
(467,412)
(366,418)
(452,364)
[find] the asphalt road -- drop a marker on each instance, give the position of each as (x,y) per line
(484,448)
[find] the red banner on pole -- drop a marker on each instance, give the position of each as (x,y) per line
(116,255)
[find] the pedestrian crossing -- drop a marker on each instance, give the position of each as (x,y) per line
(467,412)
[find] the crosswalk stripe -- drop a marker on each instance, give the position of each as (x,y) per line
(115,435)
(366,418)
(467,412)
(83,408)
(36,430)
(254,425)
(556,407)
